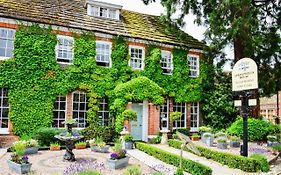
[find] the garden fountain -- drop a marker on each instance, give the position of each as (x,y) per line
(69,138)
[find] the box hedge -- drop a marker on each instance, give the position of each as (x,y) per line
(190,166)
(231,160)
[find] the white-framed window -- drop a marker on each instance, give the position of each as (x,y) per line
(103,112)
(194,117)
(64,49)
(80,107)
(7,37)
(164,115)
(59,112)
(103,53)
(193,63)
(166,62)
(180,107)
(136,61)
(4,109)
(104,12)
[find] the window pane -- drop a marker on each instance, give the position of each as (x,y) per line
(136,58)
(64,49)
(59,111)
(80,103)
(6,42)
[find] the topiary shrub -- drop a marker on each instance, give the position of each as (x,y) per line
(107,133)
(45,136)
(264,165)
(258,129)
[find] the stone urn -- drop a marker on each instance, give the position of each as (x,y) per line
(117,163)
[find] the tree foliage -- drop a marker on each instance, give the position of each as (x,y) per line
(218,109)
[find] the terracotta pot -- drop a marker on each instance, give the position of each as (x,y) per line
(55,148)
(194,138)
(80,146)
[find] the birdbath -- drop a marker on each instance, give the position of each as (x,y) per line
(164,138)
(69,138)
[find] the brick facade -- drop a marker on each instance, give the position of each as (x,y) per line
(153,119)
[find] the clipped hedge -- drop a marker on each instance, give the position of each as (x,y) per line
(231,160)
(190,166)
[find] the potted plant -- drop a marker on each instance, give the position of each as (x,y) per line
(98,145)
(128,138)
(80,145)
(203,130)
(271,140)
(31,147)
(234,142)
(118,158)
(209,138)
(54,146)
(221,135)
(276,149)
(195,137)
(19,162)
(222,143)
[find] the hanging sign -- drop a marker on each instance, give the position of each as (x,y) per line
(244,75)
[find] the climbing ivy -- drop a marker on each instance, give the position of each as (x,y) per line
(35,79)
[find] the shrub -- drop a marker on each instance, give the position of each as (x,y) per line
(264,165)
(277,147)
(107,133)
(81,143)
(195,135)
(205,129)
(155,140)
(45,136)
(128,137)
(182,130)
(173,159)
(179,171)
(231,160)
(257,129)
(90,173)
(129,114)
(132,170)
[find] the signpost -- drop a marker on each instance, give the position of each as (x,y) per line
(244,80)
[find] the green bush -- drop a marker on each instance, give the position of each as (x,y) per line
(132,170)
(182,130)
(173,159)
(231,160)
(264,165)
(90,173)
(277,147)
(258,129)
(179,171)
(107,133)
(155,140)
(46,136)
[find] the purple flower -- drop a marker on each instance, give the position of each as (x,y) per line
(75,134)
(24,159)
(114,156)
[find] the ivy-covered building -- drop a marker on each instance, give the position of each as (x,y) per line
(90,61)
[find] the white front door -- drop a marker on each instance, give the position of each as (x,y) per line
(136,126)
(4,111)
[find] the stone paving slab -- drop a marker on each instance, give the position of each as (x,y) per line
(51,162)
(218,169)
(153,162)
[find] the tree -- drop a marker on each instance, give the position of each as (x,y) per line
(218,110)
(251,27)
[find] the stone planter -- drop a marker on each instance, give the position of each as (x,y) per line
(209,141)
(234,144)
(31,150)
(270,144)
(222,145)
(203,139)
(19,168)
(117,163)
(128,145)
(99,149)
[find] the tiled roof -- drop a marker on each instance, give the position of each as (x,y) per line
(73,14)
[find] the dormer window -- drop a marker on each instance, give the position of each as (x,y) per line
(102,9)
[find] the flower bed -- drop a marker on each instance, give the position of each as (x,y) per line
(173,159)
(231,160)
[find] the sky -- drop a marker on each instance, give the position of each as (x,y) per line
(156,9)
